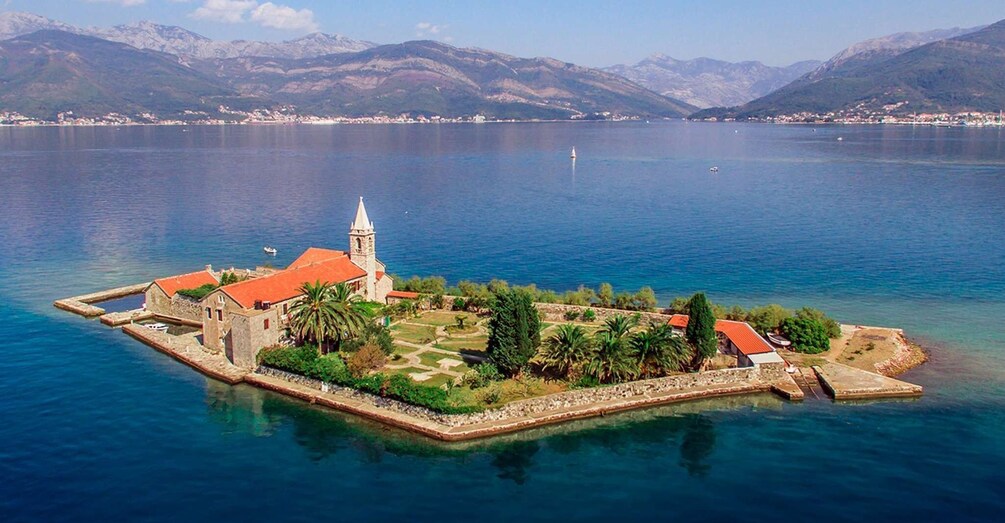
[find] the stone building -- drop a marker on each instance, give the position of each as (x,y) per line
(242,318)
(162,298)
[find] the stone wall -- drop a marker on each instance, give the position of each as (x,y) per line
(186,308)
(750,376)
(553,312)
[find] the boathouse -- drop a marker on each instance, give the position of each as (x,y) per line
(161,297)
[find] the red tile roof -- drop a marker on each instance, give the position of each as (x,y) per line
(315,255)
(283,285)
(173,284)
(403,295)
(740,333)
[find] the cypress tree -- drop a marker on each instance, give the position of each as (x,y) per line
(514,330)
(700,331)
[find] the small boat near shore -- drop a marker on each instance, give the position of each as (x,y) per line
(713,169)
(159,327)
(778,339)
(573,153)
(271,251)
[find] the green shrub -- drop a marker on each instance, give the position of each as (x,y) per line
(366,359)
(586,382)
(571,315)
(292,359)
(768,318)
(589,315)
(373,334)
(460,303)
(199,292)
(807,335)
(332,369)
(833,327)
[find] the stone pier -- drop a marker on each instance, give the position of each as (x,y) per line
(848,383)
(82,304)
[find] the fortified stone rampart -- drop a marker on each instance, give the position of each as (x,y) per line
(750,378)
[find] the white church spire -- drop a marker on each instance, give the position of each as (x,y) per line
(362,221)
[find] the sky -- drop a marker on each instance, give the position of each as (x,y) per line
(587,32)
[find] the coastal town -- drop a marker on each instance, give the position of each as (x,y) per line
(287,115)
(332,328)
(891,115)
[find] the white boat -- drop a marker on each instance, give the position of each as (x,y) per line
(713,169)
(573,153)
(159,327)
(778,339)
(271,251)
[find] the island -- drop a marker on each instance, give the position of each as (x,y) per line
(334,328)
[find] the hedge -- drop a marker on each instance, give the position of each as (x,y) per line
(330,368)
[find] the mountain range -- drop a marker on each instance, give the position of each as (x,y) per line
(705,82)
(184,43)
(50,71)
(48,67)
(900,74)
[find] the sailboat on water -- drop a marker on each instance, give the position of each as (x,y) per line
(573,153)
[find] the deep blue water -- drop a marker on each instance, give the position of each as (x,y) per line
(891,225)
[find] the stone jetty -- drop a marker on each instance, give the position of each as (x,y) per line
(83,304)
(848,383)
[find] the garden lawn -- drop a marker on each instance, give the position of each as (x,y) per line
(440,318)
(420,334)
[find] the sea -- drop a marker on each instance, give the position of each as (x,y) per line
(877,225)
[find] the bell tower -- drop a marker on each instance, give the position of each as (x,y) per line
(362,251)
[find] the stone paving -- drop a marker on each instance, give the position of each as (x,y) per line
(844,382)
(187,349)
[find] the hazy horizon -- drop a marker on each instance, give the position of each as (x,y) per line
(595,33)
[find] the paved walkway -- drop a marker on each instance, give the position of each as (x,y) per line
(450,358)
(187,349)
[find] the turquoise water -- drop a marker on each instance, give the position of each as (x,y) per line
(891,226)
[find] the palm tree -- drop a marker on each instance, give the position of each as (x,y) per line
(659,351)
(619,325)
(566,349)
(614,358)
(326,313)
(350,315)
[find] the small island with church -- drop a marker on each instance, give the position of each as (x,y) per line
(336,329)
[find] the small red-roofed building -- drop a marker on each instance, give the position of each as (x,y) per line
(162,297)
(242,318)
(736,338)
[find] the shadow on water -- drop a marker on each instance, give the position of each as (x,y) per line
(324,433)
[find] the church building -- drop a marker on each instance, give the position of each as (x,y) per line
(242,318)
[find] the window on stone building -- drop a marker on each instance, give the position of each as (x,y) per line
(266,324)
(286,308)
(219,314)
(209,313)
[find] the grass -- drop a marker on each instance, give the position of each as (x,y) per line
(443,318)
(432,359)
(454,345)
(454,330)
(420,334)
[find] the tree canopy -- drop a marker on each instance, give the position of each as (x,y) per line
(514,330)
(700,332)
